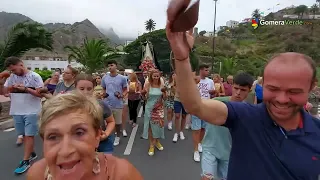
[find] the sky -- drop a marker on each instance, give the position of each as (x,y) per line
(127,17)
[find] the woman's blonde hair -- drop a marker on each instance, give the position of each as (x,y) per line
(133,77)
(151,79)
(63,104)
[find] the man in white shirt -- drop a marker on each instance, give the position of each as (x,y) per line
(25,105)
(206,89)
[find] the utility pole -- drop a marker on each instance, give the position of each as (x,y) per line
(214,34)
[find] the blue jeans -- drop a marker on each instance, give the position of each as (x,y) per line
(26,125)
(106,146)
(197,124)
(212,167)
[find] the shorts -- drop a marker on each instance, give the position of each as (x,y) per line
(169,104)
(178,108)
(106,146)
(117,114)
(26,125)
(212,167)
(197,124)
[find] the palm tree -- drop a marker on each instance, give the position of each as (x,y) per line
(23,37)
(150,25)
(256,14)
(228,66)
(301,10)
(90,54)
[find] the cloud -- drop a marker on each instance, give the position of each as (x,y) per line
(127,17)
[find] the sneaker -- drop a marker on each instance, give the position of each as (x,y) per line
(19,141)
(200,147)
(175,137)
(182,136)
(170,125)
(23,167)
(124,133)
(151,151)
(159,146)
(33,156)
(116,141)
(196,156)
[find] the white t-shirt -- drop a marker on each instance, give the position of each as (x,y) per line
(205,85)
(25,103)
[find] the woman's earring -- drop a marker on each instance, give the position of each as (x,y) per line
(96,164)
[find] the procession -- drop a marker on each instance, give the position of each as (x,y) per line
(183,119)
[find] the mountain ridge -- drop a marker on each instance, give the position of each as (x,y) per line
(63,33)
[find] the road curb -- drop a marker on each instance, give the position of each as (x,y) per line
(6,124)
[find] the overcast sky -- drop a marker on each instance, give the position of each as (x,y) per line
(127,17)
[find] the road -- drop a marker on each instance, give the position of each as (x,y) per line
(174,162)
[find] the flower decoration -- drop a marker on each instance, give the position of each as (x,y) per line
(146,65)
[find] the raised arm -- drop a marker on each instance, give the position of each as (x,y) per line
(212,111)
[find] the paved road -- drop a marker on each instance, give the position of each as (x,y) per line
(175,162)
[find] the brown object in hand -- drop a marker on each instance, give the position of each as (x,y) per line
(164,89)
(44,90)
(4,74)
(185,19)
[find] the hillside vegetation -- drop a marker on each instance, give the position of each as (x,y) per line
(241,48)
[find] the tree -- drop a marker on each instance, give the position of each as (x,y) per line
(318,1)
(201,33)
(150,25)
(314,9)
(301,10)
(23,37)
(90,54)
(256,14)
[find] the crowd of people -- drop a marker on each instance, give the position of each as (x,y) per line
(84,116)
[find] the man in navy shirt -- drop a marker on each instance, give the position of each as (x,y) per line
(274,140)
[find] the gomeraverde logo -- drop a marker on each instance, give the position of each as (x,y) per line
(255,23)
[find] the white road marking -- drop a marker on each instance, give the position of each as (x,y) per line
(131,140)
(10,129)
(140,112)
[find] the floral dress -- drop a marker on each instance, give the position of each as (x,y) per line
(169,103)
(154,114)
(314,98)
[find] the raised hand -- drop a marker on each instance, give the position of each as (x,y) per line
(181,42)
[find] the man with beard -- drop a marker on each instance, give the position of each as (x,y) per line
(275,139)
(25,106)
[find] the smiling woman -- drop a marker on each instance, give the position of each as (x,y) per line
(70,129)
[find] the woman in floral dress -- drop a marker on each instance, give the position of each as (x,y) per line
(154,114)
(170,99)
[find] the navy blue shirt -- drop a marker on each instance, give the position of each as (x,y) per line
(261,150)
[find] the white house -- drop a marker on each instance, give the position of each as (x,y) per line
(232,24)
(208,34)
(49,63)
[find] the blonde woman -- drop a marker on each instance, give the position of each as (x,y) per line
(154,116)
(220,91)
(134,90)
(70,131)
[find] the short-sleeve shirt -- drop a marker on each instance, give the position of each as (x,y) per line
(204,86)
(112,85)
(25,103)
(62,88)
(263,150)
(106,113)
(217,139)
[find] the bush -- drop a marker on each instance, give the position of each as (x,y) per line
(45,74)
